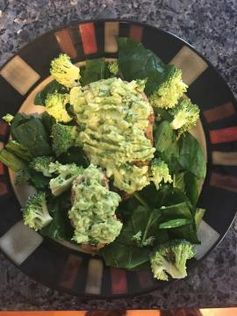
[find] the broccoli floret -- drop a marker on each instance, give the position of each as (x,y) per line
(160,172)
(64,137)
(22,176)
(19,150)
(8,118)
(35,212)
(66,174)
(11,160)
(186,115)
(41,164)
(170,259)
(170,90)
(64,71)
(113,67)
(55,104)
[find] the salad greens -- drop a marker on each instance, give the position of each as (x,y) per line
(113,162)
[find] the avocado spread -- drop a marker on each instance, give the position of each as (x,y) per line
(93,210)
(113,117)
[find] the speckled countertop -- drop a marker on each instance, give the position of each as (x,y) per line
(211,26)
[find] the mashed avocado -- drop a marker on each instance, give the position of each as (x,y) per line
(93,210)
(113,116)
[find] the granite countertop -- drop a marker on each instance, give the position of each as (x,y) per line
(208,25)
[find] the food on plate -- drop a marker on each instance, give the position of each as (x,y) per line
(113,162)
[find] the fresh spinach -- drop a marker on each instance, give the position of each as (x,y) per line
(125,256)
(137,62)
(187,232)
(129,252)
(29,131)
(95,69)
(189,184)
(74,155)
(191,156)
(167,145)
(179,210)
(173,223)
(199,215)
(60,228)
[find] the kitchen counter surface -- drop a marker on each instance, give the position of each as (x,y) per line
(211,27)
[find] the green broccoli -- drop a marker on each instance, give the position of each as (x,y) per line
(35,212)
(170,259)
(113,67)
(11,160)
(64,71)
(55,104)
(64,137)
(170,90)
(19,150)
(160,172)
(41,164)
(22,176)
(8,118)
(65,176)
(186,115)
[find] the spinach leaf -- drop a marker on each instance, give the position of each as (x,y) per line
(145,221)
(179,210)
(125,256)
(177,222)
(191,156)
(60,227)
(187,232)
(74,155)
(38,180)
(51,87)
(199,215)
(189,184)
(94,70)
(165,196)
(30,132)
(164,136)
(127,252)
(48,121)
(137,62)
(167,145)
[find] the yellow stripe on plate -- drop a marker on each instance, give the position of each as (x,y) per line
(208,237)
(224,159)
(94,277)
(191,64)
(19,242)
(111,34)
(19,74)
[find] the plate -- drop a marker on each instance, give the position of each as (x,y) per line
(61,266)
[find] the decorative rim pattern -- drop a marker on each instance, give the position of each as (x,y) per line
(65,269)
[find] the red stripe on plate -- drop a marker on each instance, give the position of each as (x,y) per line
(136,32)
(70,272)
(225,135)
(145,278)
(118,281)
(4,127)
(224,181)
(3,188)
(88,37)
(1,168)
(219,112)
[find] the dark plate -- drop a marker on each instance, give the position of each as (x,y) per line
(65,269)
